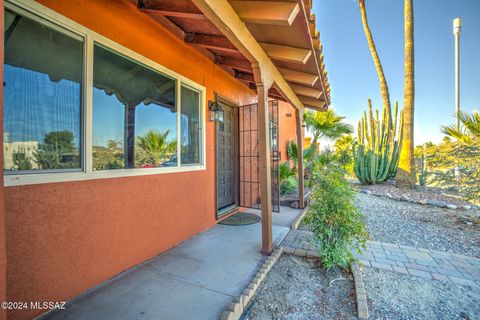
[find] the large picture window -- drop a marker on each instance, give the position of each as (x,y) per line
(42,97)
(79,106)
(134,114)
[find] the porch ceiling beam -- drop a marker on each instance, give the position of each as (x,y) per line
(219,43)
(287,54)
(266,12)
(238,64)
(308,79)
(171,8)
(224,17)
(247,77)
(317,104)
(306,91)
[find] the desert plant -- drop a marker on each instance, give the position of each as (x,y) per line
(285,171)
(47,157)
(406,173)
(338,226)
(21,160)
(326,124)
(154,147)
(288,186)
(375,57)
(292,152)
(288,180)
(343,153)
(376,152)
(463,153)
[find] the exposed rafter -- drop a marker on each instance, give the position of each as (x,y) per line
(219,43)
(246,77)
(307,79)
(171,8)
(288,54)
(312,102)
(242,65)
(266,12)
(306,91)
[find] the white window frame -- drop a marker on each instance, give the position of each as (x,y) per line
(35,10)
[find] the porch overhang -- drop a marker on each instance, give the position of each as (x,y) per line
(278,36)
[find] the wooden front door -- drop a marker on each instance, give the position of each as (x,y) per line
(226,164)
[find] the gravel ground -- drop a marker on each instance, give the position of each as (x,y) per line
(419,193)
(418,226)
(395,296)
(300,288)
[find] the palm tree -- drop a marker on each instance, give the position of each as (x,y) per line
(468,132)
(326,124)
(376,59)
(406,168)
(155,147)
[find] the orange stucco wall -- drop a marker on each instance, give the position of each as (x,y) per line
(64,238)
(288,127)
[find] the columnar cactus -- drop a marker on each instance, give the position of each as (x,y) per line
(377,149)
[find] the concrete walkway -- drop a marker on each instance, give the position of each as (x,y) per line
(428,264)
(195,280)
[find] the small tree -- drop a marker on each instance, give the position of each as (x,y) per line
(338,226)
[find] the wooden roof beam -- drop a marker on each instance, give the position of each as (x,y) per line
(246,77)
(242,65)
(287,54)
(306,91)
(266,12)
(226,19)
(313,103)
(171,8)
(307,79)
(219,43)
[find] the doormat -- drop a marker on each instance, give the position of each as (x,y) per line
(241,219)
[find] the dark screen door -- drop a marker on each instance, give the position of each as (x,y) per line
(226,178)
(249,156)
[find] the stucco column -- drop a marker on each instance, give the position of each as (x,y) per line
(300,172)
(264,158)
(3,249)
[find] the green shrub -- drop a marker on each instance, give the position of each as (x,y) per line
(338,226)
(285,171)
(288,186)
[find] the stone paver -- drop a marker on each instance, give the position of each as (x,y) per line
(428,264)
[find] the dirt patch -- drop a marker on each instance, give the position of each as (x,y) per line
(300,288)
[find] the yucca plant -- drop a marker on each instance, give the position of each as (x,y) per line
(376,151)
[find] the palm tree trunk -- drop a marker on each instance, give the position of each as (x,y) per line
(376,60)
(406,168)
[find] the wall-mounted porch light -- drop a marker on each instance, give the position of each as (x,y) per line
(216,111)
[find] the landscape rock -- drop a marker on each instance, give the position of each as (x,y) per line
(294,205)
(422,202)
(466,207)
(437,203)
(451,206)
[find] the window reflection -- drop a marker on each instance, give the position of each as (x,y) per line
(134,114)
(42,96)
(190,124)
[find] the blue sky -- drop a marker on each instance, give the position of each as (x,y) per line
(352,74)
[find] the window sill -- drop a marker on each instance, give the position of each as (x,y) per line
(42,178)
